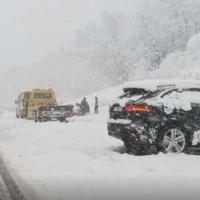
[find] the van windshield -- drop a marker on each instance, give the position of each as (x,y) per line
(42,95)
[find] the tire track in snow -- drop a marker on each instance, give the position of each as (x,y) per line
(12,187)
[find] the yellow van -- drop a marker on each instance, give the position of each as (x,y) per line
(34,99)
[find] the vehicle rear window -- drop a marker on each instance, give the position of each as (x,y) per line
(129,92)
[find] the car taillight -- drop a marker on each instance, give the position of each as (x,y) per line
(138,108)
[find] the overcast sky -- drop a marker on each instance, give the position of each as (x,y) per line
(29,29)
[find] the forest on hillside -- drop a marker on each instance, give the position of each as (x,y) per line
(145,43)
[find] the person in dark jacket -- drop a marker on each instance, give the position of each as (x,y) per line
(85,108)
(96,105)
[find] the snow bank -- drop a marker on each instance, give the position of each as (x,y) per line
(183,64)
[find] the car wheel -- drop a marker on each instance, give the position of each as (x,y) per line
(173,141)
(62,119)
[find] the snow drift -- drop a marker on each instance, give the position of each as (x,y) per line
(182,64)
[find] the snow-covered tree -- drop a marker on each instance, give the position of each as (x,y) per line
(123,46)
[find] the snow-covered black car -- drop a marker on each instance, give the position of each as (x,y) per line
(132,91)
(163,120)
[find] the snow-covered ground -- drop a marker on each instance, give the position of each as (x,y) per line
(78,160)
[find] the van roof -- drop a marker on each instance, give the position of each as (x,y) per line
(42,89)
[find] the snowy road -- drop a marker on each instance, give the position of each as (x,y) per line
(78,160)
(4,194)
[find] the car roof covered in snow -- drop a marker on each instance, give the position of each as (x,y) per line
(159,84)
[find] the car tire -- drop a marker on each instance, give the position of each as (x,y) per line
(172,140)
(62,119)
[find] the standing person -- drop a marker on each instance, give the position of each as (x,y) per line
(85,108)
(96,105)
(83,105)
